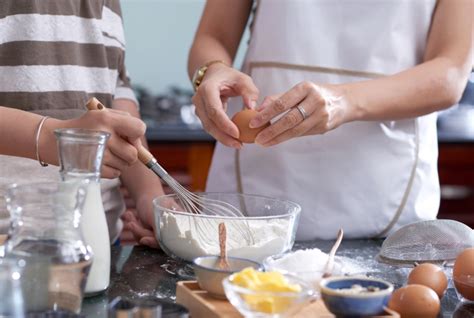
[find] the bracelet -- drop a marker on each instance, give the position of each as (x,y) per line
(38,132)
(201,71)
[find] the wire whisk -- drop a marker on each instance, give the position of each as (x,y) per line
(194,203)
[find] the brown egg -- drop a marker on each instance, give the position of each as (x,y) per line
(431,276)
(242,120)
(415,301)
(463,273)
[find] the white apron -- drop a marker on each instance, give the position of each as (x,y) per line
(367,177)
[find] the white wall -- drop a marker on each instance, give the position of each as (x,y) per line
(159,34)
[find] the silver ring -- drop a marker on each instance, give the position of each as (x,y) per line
(302,111)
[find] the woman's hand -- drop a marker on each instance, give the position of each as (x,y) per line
(125,132)
(220,83)
(321,108)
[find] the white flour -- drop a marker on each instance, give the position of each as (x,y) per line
(189,237)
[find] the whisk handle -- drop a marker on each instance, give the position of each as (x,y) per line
(145,156)
(94,104)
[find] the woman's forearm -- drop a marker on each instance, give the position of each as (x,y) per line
(426,88)
(207,48)
(219,33)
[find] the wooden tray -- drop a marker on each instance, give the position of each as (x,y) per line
(201,304)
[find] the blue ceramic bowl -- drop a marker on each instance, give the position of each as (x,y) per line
(355,305)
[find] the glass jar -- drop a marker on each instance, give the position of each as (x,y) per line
(4,222)
(80,156)
(11,304)
(45,233)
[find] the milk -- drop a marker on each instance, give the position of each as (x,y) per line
(96,235)
(80,156)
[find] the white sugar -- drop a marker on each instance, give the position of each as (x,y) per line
(309,264)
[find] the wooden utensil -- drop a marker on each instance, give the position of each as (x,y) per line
(330,263)
(202,304)
(223,263)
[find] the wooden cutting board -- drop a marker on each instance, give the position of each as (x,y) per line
(201,304)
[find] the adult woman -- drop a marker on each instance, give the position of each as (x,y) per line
(361,81)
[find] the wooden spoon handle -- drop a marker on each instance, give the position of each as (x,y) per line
(332,253)
(222,246)
(143,154)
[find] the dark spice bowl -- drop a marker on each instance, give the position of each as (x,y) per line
(368,303)
(210,276)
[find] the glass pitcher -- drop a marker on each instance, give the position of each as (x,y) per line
(11,304)
(80,157)
(45,233)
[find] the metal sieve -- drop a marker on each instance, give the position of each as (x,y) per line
(435,241)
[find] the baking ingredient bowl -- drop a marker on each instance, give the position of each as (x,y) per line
(268,227)
(261,303)
(308,264)
(350,296)
(210,276)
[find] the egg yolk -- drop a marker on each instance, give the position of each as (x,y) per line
(266,282)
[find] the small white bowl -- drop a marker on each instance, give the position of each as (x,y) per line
(210,276)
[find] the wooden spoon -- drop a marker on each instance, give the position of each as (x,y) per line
(223,263)
(330,263)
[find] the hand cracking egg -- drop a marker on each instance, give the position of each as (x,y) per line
(242,120)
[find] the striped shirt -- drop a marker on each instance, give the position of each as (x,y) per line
(56,54)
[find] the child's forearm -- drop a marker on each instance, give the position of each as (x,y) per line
(142,184)
(18,131)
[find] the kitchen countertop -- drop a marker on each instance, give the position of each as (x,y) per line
(139,271)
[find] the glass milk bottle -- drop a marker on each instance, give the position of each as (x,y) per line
(45,235)
(80,156)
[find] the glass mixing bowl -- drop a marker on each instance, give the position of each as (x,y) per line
(268,227)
